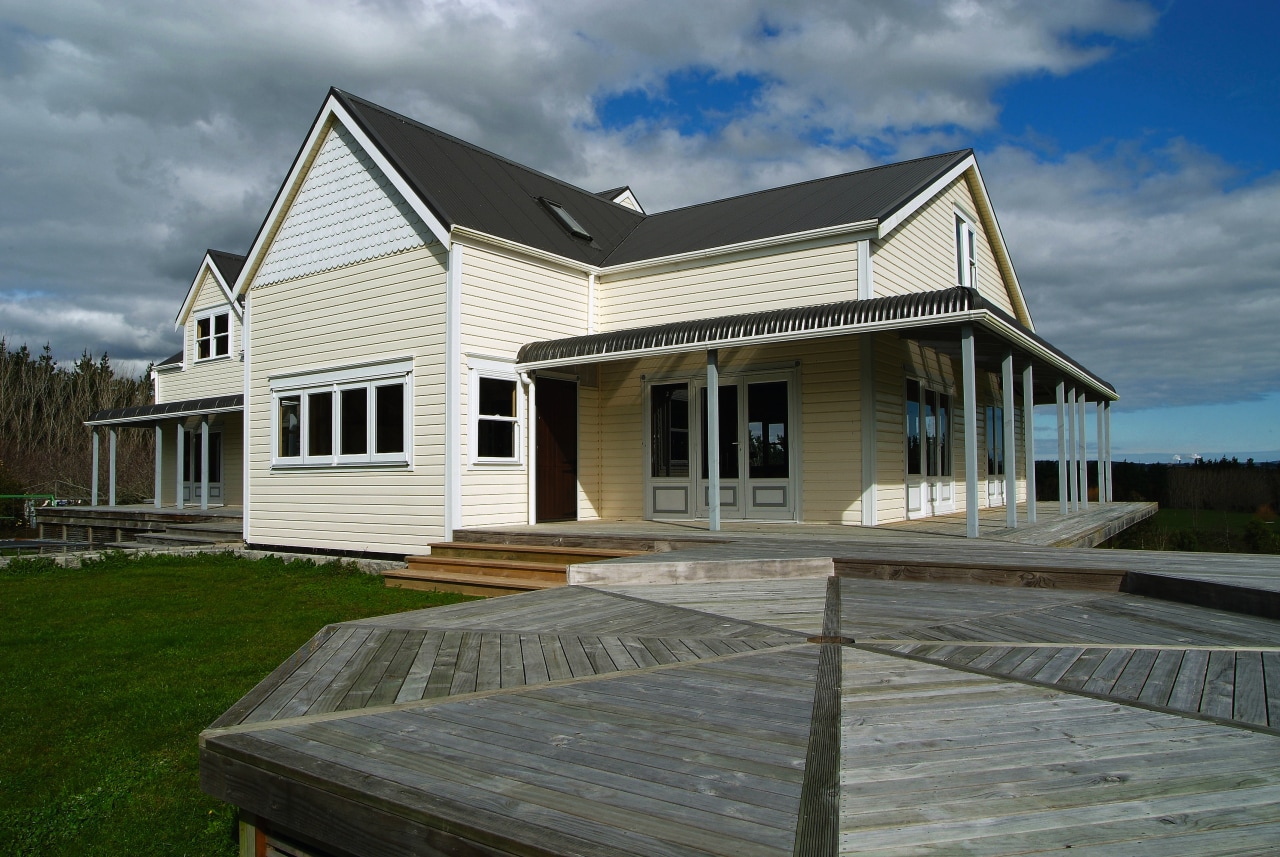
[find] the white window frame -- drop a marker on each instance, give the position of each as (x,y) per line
(497,370)
(966,250)
(366,376)
(211,316)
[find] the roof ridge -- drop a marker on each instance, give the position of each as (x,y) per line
(364,102)
(956,154)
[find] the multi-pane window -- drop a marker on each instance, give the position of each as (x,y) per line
(344,421)
(928,431)
(497,417)
(995,440)
(213,336)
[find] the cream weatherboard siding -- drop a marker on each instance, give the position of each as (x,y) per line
(220,376)
(812,272)
(920,255)
(507,301)
(384,309)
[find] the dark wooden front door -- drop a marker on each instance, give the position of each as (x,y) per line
(557,405)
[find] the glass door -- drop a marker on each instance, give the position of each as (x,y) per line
(930,485)
(668,483)
(730,453)
(191,463)
(769,490)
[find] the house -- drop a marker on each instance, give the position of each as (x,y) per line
(425,336)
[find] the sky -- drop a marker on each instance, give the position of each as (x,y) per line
(1128,148)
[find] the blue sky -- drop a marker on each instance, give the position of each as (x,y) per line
(1128,147)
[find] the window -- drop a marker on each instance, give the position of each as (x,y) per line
(928,431)
(496,406)
(344,417)
(995,441)
(966,253)
(669,418)
(213,336)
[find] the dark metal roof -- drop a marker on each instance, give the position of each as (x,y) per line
(936,307)
(229,265)
(468,186)
(171,360)
(871,194)
(148,414)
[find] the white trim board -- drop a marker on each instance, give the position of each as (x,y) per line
(187,302)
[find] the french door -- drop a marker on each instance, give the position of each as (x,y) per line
(930,483)
(191,463)
(757,461)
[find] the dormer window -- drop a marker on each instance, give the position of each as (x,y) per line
(966,253)
(213,336)
(567,220)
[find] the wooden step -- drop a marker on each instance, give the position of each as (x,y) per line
(548,571)
(467,583)
(527,553)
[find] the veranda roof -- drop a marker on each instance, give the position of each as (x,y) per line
(151,414)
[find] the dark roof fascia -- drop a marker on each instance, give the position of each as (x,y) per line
(229,266)
(151,414)
(349,102)
(895,312)
(172,361)
(959,157)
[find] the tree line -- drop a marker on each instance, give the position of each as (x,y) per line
(45,447)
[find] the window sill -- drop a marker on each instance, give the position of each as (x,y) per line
(344,466)
(200,360)
(495,464)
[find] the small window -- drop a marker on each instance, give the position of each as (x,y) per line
(213,336)
(567,220)
(289,420)
(496,420)
(389,419)
(319,424)
(966,253)
(995,440)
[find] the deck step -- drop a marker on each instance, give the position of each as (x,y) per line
(549,572)
(560,555)
(185,538)
(466,582)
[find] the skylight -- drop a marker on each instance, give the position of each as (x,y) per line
(567,220)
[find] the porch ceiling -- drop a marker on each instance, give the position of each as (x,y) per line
(151,414)
(934,318)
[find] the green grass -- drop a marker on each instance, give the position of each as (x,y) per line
(109,672)
(1202,530)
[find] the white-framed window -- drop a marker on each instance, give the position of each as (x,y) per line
(359,415)
(213,336)
(497,413)
(966,252)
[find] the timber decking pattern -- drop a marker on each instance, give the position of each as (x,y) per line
(695,719)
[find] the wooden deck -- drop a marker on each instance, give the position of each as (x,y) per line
(699,719)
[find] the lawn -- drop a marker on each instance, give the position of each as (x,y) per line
(1201,530)
(109,672)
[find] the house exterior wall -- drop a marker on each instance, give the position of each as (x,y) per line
(813,272)
(920,255)
(383,309)
(507,300)
(220,376)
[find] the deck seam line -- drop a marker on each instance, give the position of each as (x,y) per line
(1071,691)
(773,629)
(320,717)
(1160,647)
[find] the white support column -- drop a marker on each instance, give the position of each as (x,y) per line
(713,439)
(111,465)
(532,443)
(1028,439)
(204,462)
(1073,471)
(866,289)
(93,481)
(1010,443)
(1102,468)
(1110,483)
(178,470)
(1083,459)
(1064,504)
(159,464)
(452,392)
(867,368)
(969,372)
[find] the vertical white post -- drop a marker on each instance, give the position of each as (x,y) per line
(159,464)
(452,393)
(866,291)
(204,462)
(1102,469)
(181,462)
(1072,448)
(532,453)
(1110,483)
(111,465)
(1028,439)
(1010,443)
(1063,482)
(713,439)
(867,361)
(93,491)
(1084,453)
(969,371)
